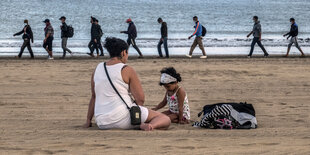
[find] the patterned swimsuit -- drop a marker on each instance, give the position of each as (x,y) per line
(174,105)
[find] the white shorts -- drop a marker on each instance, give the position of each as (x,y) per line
(124,123)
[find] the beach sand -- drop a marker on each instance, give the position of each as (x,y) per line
(44,105)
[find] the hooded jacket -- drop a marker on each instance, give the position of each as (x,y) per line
(27,33)
(257,29)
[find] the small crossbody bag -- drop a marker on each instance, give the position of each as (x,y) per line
(135,112)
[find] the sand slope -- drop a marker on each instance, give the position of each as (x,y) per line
(43,105)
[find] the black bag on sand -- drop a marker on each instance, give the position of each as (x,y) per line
(135,112)
(228,116)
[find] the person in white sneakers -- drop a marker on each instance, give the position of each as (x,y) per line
(198,39)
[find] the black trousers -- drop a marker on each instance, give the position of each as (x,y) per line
(133,42)
(26,44)
(92,46)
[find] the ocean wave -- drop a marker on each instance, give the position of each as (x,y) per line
(172,42)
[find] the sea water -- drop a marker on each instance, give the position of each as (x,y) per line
(227,22)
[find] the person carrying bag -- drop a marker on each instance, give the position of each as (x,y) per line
(135,112)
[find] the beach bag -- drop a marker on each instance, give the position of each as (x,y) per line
(227,116)
(135,111)
(204,31)
(70,31)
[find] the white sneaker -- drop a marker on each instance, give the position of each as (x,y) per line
(188,56)
(203,57)
(50,58)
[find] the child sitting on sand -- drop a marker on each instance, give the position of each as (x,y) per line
(175,97)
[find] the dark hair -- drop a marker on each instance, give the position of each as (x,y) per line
(172,72)
(195,17)
(115,46)
(159,20)
(255,17)
(292,19)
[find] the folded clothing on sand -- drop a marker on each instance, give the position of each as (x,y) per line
(228,116)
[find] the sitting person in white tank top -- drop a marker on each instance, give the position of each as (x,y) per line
(109,110)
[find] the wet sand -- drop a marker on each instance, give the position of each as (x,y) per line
(44,104)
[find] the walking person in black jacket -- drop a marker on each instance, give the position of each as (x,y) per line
(132,35)
(95,35)
(164,38)
(293,34)
(64,37)
(99,43)
(27,36)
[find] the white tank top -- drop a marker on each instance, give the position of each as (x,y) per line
(108,105)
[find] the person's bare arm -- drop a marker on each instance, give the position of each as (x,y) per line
(91,105)
(130,77)
(162,104)
(181,98)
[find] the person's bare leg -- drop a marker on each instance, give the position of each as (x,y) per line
(155,120)
(288,51)
(167,112)
(302,53)
(174,118)
(50,53)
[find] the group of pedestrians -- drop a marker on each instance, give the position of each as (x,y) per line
(97,33)
(48,38)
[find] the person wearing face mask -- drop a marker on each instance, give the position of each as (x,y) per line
(293,34)
(257,33)
(27,36)
(198,39)
(48,40)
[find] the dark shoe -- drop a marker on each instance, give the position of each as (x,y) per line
(266,55)
(249,56)
(140,57)
(101,55)
(303,56)
(17,57)
(92,55)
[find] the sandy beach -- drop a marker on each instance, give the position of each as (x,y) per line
(44,105)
